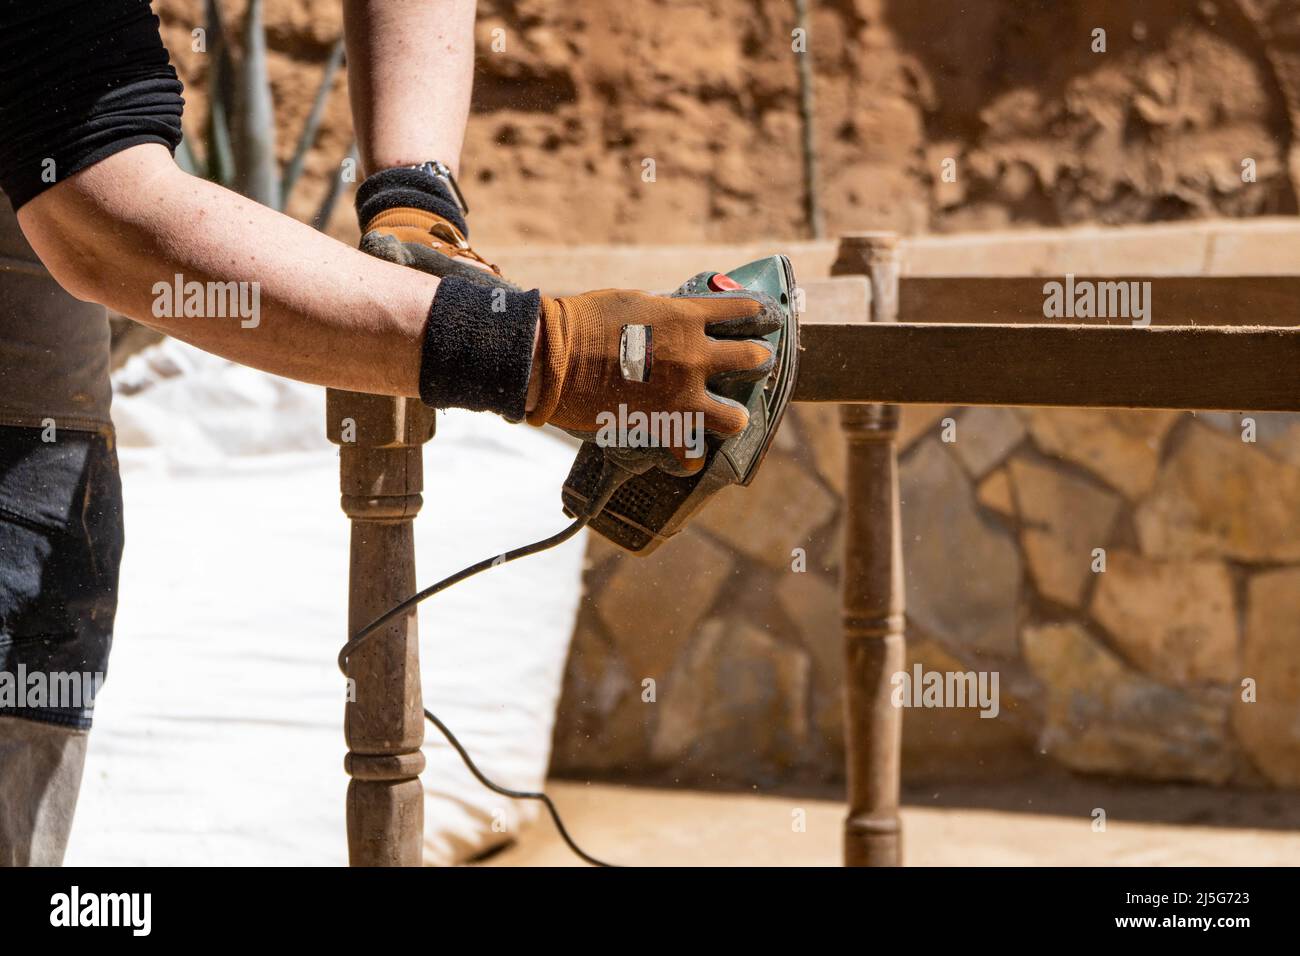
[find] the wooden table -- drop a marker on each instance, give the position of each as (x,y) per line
(858,354)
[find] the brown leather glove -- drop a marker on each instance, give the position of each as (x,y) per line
(430,243)
(609,354)
(413,218)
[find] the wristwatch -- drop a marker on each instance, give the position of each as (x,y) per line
(440,170)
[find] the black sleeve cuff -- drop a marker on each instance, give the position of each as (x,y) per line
(478,348)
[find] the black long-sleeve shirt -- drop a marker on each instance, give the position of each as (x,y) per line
(80,80)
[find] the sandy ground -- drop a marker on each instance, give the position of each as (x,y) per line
(659,827)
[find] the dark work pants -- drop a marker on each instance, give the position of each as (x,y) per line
(60,547)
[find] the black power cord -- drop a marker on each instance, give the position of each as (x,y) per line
(611,478)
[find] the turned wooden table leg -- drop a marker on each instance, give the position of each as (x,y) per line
(872,587)
(380,443)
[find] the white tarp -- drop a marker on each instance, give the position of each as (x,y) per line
(218,736)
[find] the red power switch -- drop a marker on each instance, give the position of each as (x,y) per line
(723,283)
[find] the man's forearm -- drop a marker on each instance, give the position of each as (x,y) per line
(410,73)
(327,314)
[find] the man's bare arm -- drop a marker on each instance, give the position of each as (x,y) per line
(410,71)
(328,314)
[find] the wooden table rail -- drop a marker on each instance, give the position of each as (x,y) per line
(1211,368)
(1169,300)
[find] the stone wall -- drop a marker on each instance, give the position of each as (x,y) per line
(1135,670)
(1132,577)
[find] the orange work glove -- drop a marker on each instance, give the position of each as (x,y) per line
(415,216)
(430,243)
(643,371)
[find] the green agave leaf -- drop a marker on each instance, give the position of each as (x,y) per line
(337,184)
(257,176)
(221,101)
(312,126)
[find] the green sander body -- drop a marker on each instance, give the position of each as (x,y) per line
(652,506)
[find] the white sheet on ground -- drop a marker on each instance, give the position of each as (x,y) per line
(218,736)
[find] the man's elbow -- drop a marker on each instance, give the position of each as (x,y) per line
(56,247)
(79,227)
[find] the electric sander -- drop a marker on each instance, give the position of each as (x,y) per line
(650,505)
